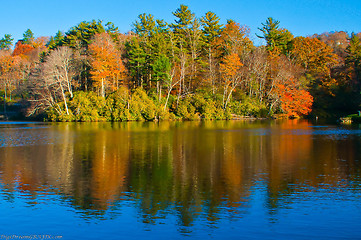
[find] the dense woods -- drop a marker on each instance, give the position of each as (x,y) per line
(192,68)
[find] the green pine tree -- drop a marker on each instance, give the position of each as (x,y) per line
(28,37)
(276,38)
(6,42)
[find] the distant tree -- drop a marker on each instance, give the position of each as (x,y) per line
(183,22)
(137,61)
(56,41)
(280,71)
(142,51)
(28,37)
(6,42)
(162,73)
(112,30)
(257,65)
(58,70)
(52,82)
(22,49)
(353,58)
(30,52)
(338,41)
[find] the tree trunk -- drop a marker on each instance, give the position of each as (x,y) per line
(168,95)
(64,98)
(228,98)
(68,82)
(5,101)
(103,91)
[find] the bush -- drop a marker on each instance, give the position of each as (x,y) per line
(121,105)
(185,110)
(58,113)
(116,107)
(142,107)
(249,107)
(88,107)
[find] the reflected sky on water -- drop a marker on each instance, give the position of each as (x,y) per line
(174,180)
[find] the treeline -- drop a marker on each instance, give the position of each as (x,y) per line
(190,69)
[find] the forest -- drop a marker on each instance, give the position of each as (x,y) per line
(192,68)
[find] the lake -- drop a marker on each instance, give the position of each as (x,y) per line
(180,180)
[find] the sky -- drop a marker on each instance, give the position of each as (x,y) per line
(300,17)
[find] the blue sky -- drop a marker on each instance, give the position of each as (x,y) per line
(301,17)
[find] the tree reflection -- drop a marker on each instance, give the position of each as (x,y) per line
(184,169)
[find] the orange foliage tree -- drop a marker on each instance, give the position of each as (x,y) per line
(230,70)
(318,59)
(106,63)
(30,52)
(22,49)
(294,101)
(9,73)
(234,39)
(315,56)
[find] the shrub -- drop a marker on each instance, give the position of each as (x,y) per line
(88,107)
(185,110)
(116,107)
(142,107)
(249,107)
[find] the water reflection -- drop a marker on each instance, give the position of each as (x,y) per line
(209,170)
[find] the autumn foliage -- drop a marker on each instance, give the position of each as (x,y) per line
(106,63)
(22,49)
(315,56)
(193,68)
(231,66)
(295,102)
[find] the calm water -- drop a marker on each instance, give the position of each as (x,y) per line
(173,180)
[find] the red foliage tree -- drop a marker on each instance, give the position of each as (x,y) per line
(22,49)
(294,101)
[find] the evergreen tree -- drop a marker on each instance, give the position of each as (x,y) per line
(136,61)
(211,27)
(188,34)
(6,42)
(277,40)
(211,30)
(28,37)
(184,20)
(140,52)
(80,35)
(353,58)
(152,41)
(59,37)
(51,43)
(145,26)
(56,41)
(112,30)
